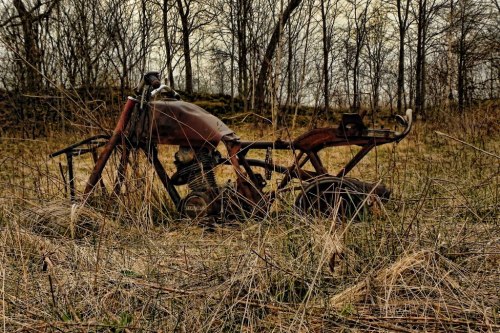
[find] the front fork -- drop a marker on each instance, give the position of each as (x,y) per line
(110,146)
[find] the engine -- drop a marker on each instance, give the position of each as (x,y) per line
(196,169)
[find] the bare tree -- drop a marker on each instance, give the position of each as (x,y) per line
(250,47)
(168,29)
(125,36)
(242,22)
(357,26)
(425,14)
(403,22)
(83,41)
(471,19)
(303,63)
(270,51)
(378,49)
(28,18)
(329,13)
(194,15)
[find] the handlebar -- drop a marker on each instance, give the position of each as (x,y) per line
(149,79)
(407,121)
(154,81)
(172,92)
(157,90)
(149,86)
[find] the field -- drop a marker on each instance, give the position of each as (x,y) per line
(428,260)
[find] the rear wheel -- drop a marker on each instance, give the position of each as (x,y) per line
(330,197)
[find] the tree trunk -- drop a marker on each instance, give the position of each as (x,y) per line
(260,89)
(360,24)
(242,22)
(233,51)
(449,55)
(401,72)
(32,56)
(461,74)
(402,28)
(356,103)
(420,75)
(326,51)
(184,14)
(168,46)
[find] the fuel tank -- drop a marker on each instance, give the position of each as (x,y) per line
(180,123)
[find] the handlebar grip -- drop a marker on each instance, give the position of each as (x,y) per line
(155,83)
(152,79)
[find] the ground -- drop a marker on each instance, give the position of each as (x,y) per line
(428,260)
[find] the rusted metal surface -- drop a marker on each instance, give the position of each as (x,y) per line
(110,146)
(144,125)
(122,168)
(174,122)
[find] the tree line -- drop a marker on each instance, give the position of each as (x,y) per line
(271,54)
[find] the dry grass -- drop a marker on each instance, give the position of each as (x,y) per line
(427,261)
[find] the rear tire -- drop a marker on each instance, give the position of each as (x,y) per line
(331,197)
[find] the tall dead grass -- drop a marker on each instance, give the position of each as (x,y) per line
(427,261)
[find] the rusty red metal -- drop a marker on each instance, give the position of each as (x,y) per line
(175,122)
(110,146)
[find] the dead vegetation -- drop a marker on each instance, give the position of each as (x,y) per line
(427,261)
